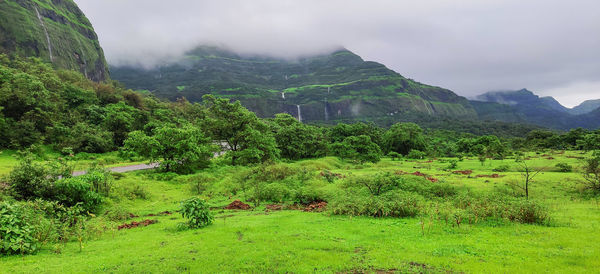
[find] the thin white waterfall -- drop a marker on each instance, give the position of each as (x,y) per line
(46,32)
(283,95)
(299,113)
(326,113)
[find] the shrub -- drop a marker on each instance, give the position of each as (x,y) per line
(502,168)
(591,172)
(528,212)
(275,192)
(416,154)
(30,180)
(453,164)
(76,191)
(100,180)
(564,167)
(16,234)
(390,204)
(394,155)
(197,212)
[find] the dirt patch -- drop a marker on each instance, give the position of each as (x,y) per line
(463,172)
(329,173)
(489,176)
(316,207)
(549,158)
(274,207)
(164,213)
(575,157)
(137,224)
(237,204)
(417,173)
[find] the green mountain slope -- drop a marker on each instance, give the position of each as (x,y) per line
(54,30)
(331,87)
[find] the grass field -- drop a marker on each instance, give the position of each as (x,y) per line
(260,240)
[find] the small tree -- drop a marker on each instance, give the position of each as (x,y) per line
(591,172)
(176,149)
(394,155)
(357,148)
(197,212)
(528,173)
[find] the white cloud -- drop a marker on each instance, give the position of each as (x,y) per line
(469,46)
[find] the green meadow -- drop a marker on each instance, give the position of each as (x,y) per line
(293,240)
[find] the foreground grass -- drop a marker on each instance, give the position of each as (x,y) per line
(296,241)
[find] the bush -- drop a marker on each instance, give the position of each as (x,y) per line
(528,212)
(502,168)
(197,212)
(77,191)
(29,180)
(453,164)
(563,167)
(16,234)
(390,204)
(416,154)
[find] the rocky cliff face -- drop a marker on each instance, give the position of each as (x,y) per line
(339,86)
(56,31)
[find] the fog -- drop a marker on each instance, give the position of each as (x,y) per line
(469,46)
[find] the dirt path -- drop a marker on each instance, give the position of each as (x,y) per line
(122,169)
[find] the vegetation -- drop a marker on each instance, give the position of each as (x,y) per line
(284,196)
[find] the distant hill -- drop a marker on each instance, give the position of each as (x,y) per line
(330,87)
(523,106)
(586,107)
(55,31)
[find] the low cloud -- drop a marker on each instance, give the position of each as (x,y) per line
(469,46)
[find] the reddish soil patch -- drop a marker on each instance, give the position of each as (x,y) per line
(160,214)
(274,207)
(417,173)
(237,204)
(490,176)
(316,206)
(550,158)
(137,224)
(463,172)
(337,175)
(574,157)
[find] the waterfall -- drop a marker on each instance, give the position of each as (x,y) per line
(299,113)
(283,95)
(83,59)
(326,113)
(46,32)
(328,90)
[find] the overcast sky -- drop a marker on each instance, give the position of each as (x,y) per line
(469,46)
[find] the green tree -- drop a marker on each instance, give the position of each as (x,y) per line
(404,137)
(177,149)
(357,148)
(247,137)
(296,140)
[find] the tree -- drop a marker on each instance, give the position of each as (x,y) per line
(177,149)
(357,148)
(528,173)
(341,131)
(296,140)
(404,137)
(247,137)
(591,171)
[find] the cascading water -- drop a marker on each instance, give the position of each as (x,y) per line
(283,95)
(46,32)
(83,59)
(326,113)
(299,113)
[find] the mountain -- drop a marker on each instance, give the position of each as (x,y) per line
(586,107)
(330,87)
(523,106)
(56,31)
(522,97)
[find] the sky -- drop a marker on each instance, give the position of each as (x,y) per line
(468,46)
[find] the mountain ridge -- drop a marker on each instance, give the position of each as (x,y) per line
(56,31)
(336,86)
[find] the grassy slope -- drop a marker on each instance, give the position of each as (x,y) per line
(258,241)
